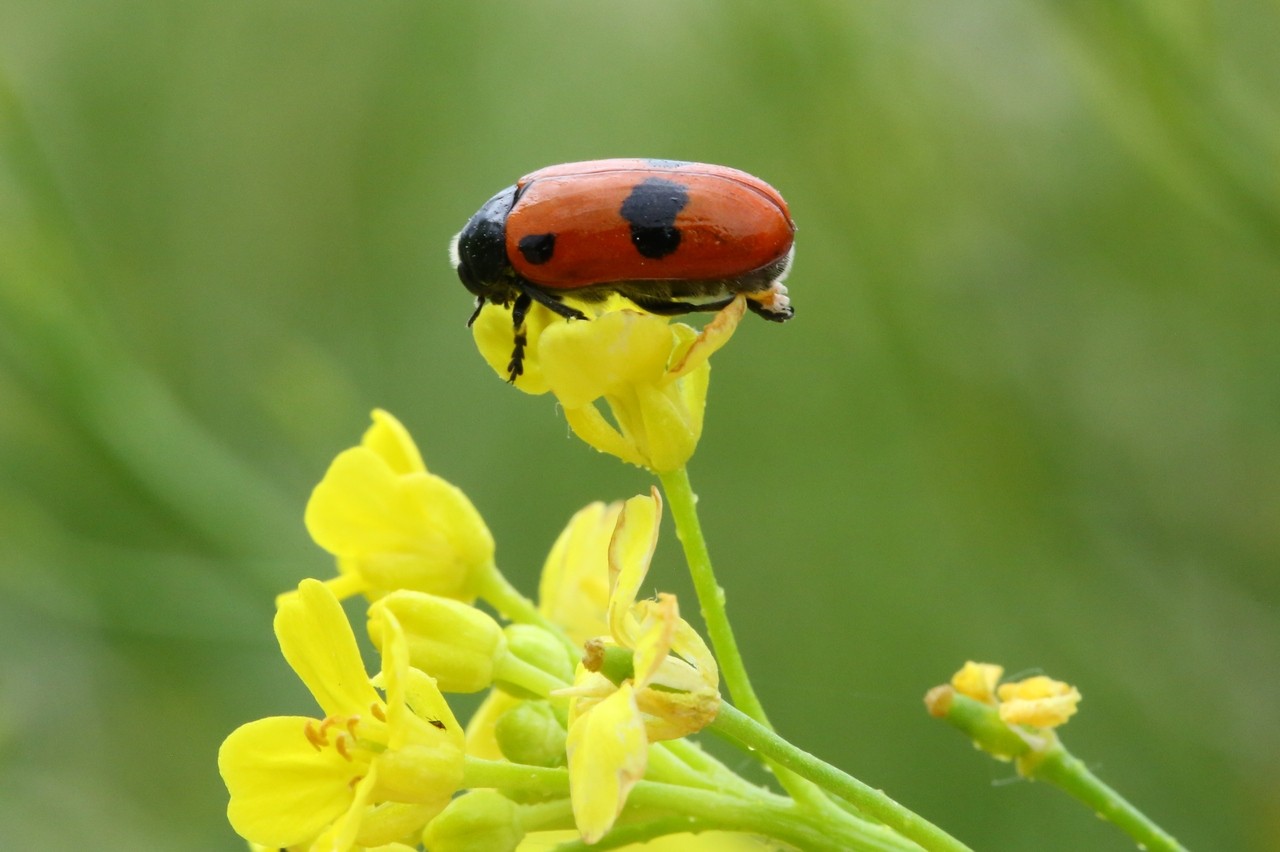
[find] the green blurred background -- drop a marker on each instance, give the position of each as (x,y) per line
(1028,410)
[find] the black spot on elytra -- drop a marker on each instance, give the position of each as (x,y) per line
(537,248)
(651,211)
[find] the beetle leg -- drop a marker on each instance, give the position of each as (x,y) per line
(518,311)
(476,312)
(551,303)
(772,304)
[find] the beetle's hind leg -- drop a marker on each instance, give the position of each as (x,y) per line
(773,304)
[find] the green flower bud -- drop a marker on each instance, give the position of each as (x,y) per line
(453,642)
(537,647)
(479,821)
(530,733)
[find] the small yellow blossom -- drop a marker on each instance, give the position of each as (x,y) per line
(978,681)
(367,774)
(392,525)
(652,373)
(672,689)
(1039,702)
(573,592)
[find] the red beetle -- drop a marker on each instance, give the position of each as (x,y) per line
(673,237)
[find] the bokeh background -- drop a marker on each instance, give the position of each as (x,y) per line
(1028,410)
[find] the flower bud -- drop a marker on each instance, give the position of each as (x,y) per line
(530,733)
(453,642)
(479,821)
(537,647)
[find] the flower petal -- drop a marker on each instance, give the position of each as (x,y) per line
(392,442)
(411,531)
(713,336)
(1040,702)
(630,552)
(361,506)
(284,791)
(318,643)
(574,588)
(653,640)
(584,361)
(495,338)
(591,426)
(341,835)
(608,752)
(671,426)
(978,681)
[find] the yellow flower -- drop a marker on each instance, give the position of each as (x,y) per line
(978,681)
(652,374)
(371,771)
(669,690)
(392,525)
(573,592)
(1039,702)
(608,753)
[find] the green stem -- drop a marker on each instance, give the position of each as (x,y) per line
(494,588)
(765,814)
(710,595)
(711,599)
(740,728)
(513,670)
(1043,756)
(703,765)
(1062,769)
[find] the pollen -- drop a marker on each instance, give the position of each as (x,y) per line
(319,733)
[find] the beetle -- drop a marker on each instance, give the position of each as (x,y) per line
(674,237)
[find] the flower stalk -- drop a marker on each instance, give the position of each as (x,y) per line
(1040,755)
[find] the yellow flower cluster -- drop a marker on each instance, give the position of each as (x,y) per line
(668,686)
(1036,702)
(381,765)
(651,373)
(1010,721)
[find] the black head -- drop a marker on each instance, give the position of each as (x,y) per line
(479,252)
